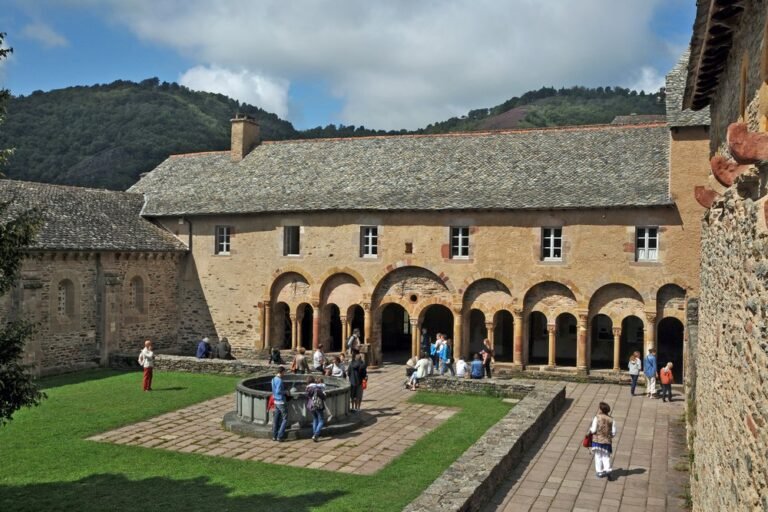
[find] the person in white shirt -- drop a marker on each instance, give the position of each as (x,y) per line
(462,368)
(318,359)
(422,370)
(147,361)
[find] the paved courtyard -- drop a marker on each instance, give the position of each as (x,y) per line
(559,474)
(391,426)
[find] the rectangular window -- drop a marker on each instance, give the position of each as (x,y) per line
(647,244)
(552,244)
(369,241)
(459,242)
(291,241)
(223,235)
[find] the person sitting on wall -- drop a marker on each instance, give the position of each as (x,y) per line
(476,368)
(274,356)
(462,368)
(203,349)
(223,350)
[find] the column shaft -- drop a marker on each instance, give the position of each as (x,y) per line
(616,342)
(551,331)
(581,342)
(267,325)
(517,340)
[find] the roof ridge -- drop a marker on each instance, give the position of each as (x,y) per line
(197,153)
(72,187)
(478,133)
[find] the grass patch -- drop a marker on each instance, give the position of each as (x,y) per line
(47,464)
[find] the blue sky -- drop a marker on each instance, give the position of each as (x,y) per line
(393,64)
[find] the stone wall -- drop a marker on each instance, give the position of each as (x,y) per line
(188,364)
(728,418)
(472,480)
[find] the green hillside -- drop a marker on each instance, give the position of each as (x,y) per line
(106,135)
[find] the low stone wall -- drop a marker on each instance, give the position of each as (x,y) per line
(172,363)
(563,374)
(473,479)
(506,388)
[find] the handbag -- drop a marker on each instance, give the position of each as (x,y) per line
(587,442)
(365,383)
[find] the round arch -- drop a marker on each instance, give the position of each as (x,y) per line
(533,283)
(288,270)
(488,295)
(550,298)
(617,301)
(670,301)
(292,288)
(329,274)
(401,266)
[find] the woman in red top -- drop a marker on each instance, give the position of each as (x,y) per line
(666,382)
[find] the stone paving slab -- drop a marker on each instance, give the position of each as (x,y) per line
(391,426)
(560,475)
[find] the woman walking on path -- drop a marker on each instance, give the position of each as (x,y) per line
(603,430)
(634,370)
(147,361)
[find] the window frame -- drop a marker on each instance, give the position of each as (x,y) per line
(369,242)
(223,247)
(136,294)
(551,242)
(65,289)
(456,232)
(642,255)
(287,242)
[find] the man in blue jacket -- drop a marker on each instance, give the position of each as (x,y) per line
(476,368)
(651,372)
(203,349)
(280,418)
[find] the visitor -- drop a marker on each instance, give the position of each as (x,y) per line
(603,431)
(337,369)
(445,358)
(318,359)
(422,370)
(274,357)
(410,366)
(487,355)
(434,349)
(299,363)
(316,404)
(147,361)
(280,418)
(353,343)
(357,373)
(223,350)
(462,368)
(666,378)
(634,366)
(203,349)
(476,368)
(424,342)
(650,372)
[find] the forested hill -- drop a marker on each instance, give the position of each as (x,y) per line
(106,135)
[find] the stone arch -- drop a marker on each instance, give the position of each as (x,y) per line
(488,295)
(333,271)
(400,265)
(279,274)
(617,301)
(342,289)
(550,298)
(567,283)
(479,276)
(647,297)
(421,307)
(411,283)
(292,288)
(670,301)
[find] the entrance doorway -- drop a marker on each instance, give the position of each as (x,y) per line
(395,332)
(565,340)
(305,330)
(503,337)
(282,319)
(334,329)
(438,318)
(356,319)
(671,346)
(601,352)
(632,336)
(477,331)
(538,339)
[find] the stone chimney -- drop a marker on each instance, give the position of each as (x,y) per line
(245,136)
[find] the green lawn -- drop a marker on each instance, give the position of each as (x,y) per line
(45,463)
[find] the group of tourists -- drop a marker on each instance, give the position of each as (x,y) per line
(437,357)
(650,370)
(222,350)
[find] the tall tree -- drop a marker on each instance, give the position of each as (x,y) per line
(17,230)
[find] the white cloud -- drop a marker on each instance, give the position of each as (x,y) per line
(271,94)
(403,64)
(44,34)
(648,80)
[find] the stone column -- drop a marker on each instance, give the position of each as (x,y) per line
(581,342)
(551,331)
(294,331)
(616,341)
(517,339)
(316,328)
(458,338)
(650,333)
(267,325)
(491,334)
(414,336)
(367,338)
(344,331)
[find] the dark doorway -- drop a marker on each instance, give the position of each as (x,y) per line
(282,319)
(565,340)
(438,318)
(538,339)
(503,337)
(671,346)
(632,336)
(601,351)
(334,329)
(306,326)
(395,331)
(477,331)
(356,319)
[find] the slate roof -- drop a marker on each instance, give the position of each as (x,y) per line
(86,219)
(576,167)
(676,116)
(639,119)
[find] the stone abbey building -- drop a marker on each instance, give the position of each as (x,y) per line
(567,247)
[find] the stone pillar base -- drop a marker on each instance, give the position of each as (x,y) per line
(518,367)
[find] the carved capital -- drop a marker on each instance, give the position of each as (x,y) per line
(551,328)
(366,307)
(617,331)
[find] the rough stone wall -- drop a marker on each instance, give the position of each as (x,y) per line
(729,415)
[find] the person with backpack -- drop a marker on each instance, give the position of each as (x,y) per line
(316,404)
(666,378)
(353,343)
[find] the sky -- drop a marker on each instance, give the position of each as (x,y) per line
(385,64)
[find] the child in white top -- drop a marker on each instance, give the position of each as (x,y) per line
(462,368)
(147,361)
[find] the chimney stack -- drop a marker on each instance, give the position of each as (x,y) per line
(245,136)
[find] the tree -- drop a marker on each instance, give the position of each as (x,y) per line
(17,230)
